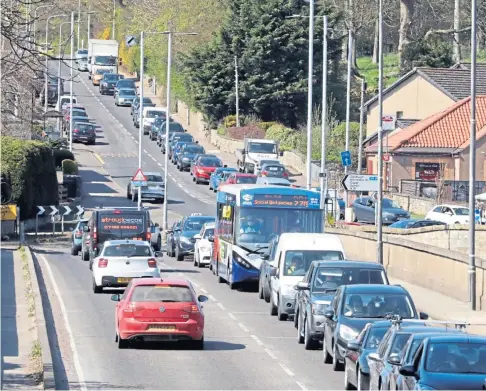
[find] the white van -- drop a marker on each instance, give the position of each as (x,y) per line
(293,257)
(65,100)
(149,116)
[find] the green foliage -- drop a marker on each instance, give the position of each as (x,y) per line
(267,125)
(60,155)
(285,136)
(336,142)
(369,70)
(30,166)
(243,132)
(429,52)
(229,121)
(69,167)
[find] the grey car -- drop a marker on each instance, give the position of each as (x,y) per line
(83,64)
(154,191)
(316,291)
(272,170)
(364,211)
(125,97)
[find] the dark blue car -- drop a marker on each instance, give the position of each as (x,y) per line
(217,177)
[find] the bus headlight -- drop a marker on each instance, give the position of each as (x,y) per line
(239,260)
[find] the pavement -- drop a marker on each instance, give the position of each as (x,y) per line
(245,348)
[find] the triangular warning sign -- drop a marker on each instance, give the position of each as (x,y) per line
(139,177)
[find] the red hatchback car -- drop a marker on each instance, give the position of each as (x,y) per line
(157,310)
(203,167)
(239,177)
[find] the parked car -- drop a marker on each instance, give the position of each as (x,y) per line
(147,102)
(162,130)
(217,177)
(203,248)
(449,214)
(353,307)
(239,177)
(172,313)
(170,237)
(364,211)
(107,84)
(149,116)
(415,223)
(174,139)
(86,244)
(119,261)
(77,236)
(125,96)
(84,132)
(154,191)
(203,167)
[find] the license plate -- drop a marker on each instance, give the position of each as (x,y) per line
(123,279)
(160,327)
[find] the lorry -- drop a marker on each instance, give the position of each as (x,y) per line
(254,151)
(102,54)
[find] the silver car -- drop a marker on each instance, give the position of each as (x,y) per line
(125,97)
(83,64)
(154,191)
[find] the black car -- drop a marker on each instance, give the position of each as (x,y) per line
(107,84)
(174,127)
(117,223)
(447,362)
(124,83)
(317,289)
(84,132)
(173,139)
(187,155)
(171,239)
(356,305)
(147,102)
(357,371)
(184,236)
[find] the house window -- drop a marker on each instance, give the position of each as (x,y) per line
(399,114)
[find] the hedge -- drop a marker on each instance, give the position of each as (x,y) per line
(69,167)
(31,168)
(243,132)
(60,155)
(285,136)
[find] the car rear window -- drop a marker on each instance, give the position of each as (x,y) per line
(119,224)
(274,168)
(162,293)
(154,113)
(127,250)
(211,163)
(246,179)
(127,92)
(154,178)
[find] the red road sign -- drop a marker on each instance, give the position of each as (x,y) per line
(139,176)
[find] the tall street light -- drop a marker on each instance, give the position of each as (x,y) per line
(309,94)
(79,19)
(89,23)
(47,57)
(348,104)
(114,16)
(472,163)
(35,19)
(59,73)
(71,85)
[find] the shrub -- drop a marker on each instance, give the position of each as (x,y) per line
(267,125)
(69,167)
(31,168)
(221,131)
(285,136)
(229,121)
(60,155)
(243,132)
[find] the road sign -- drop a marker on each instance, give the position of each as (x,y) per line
(360,183)
(68,210)
(131,40)
(346,158)
(54,210)
(139,183)
(8,212)
(139,177)
(80,210)
(388,122)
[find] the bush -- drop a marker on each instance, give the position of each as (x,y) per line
(267,125)
(69,167)
(31,168)
(221,131)
(229,121)
(243,132)
(285,136)
(60,155)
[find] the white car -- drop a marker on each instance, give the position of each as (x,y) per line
(119,261)
(449,214)
(65,100)
(203,248)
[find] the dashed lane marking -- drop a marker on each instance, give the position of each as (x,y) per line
(270,353)
(302,387)
(257,340)
(231,316)
(243,327)
(286,369)
(221,306)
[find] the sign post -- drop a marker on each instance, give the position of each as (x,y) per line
(139,180)
(360,183)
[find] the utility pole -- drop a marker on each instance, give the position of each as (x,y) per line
(323,179)
(114,17)
(89,27)
(348,103)
(361,122)
(472,163)
(237,94)
(309,94)
(167,123)
(379,209)
(140,124)
(71,86)
(79,20)
(59,76)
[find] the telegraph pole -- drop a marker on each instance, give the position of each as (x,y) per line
(237,94)
(379,209)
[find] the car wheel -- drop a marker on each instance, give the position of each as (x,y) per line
(273,307)
(336,365)
(198,345)
(90,264)
(195,259)
(96,288)
(327,358)
(158,245)
(210,187)
(300,336)
(281,315)
(74,250)
(194,179)
(347,384)
(309,342)
(296,318)
(85,256)
(266,292)
(128,194)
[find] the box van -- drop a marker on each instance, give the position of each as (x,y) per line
(64,101)
(117,223)
(292,258)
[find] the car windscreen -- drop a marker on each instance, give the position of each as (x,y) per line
(127,93)
(147,100)
(105,60)
(209,232)
(195,224)
(154,113)
(154,178)
(194,150)
(102,71)
(377,305)
(175,127)
(375,336)
(79,113)
(83,51)
(84,127)
(257,147)
(387,203)
(456,357)
(333,277)
(246,179)
(162,294)
(273,169)
(210,163)
(298,262)
(125,83)
(127,250)
(123,224)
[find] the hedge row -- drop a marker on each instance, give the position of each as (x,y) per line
(30,166)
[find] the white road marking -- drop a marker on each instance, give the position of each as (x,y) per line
(243,327)
(286,369)
(77,364)
(302,387)
(212,298)
(221,306)
(257,340)
(270,353)
(204,290)
(231,316)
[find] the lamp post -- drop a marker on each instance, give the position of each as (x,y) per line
(59,73)
(89,24)
(379,209)
(35,19)
(309,93)
(79,19)
(71,85)
(47,57)
(348,105)
(114,16)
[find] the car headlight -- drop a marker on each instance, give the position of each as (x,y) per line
(319,309)
(205,248)
(347,333)
(185,240)
(105,84)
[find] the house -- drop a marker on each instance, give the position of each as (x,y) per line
(437,144)
(423,92)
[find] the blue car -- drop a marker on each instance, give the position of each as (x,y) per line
(217,176)
(177,150)
(77,236)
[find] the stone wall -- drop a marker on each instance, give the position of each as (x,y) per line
(225,144)
(417,205)
(438,269)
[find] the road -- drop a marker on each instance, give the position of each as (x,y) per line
(245,347)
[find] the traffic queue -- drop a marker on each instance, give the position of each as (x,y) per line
(270,235)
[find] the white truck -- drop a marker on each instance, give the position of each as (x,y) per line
(256,150)
(102,54)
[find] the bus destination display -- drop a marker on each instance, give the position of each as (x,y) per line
(280,200)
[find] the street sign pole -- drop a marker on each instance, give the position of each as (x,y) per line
(139,198)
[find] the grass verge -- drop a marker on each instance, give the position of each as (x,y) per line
(391,70)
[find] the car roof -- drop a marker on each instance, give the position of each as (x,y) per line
(437,331)
(159,109)
(209,156)
(126,241)
(299,241)
(419,329)
(155,281)
(459,337)
(350,264)
(388,323)
(244,174)
(374,288)
(277,163)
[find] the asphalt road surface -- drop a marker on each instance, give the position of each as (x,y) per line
(245,347)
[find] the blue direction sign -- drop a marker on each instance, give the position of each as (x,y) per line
(346,158)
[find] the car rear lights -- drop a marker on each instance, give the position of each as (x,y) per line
(285,174)
(191,309)
(102,262)
(264,173)
(95,235)
(75,130)
(152,262)
(148,236)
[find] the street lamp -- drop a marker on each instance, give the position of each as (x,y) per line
(47,57)
(35,18)
(114,16)
(79,18)
(59,73)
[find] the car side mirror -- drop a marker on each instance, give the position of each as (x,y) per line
(157,224)
(265,257)
(353,346)
(302,286)
(202,298)
(115,297)
(211,239)
(407,370)
(159,254)
(394,359)
(225,166)
(374,357)
(273,272)
(168,231)
(423,315)
(329,314)
(197,236)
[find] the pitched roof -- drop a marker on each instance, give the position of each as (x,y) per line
(446,129)
(455,82)
(401,123)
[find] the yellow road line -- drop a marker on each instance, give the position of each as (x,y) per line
(98,157)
